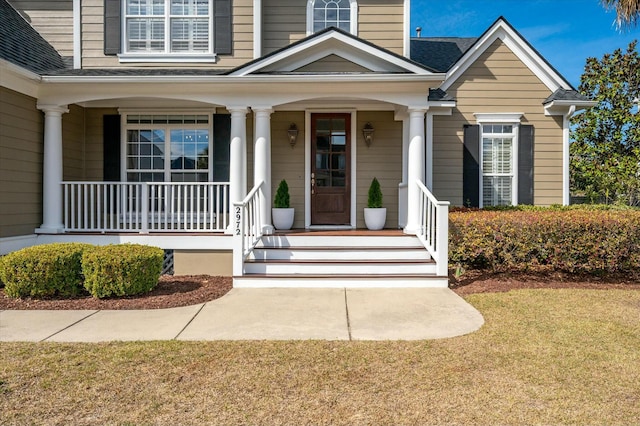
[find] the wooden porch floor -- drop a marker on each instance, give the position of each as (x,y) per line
(301,231)
(342,232)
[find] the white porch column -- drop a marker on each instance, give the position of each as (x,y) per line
(52,170)
(237,153)
(262,164)
(415,168)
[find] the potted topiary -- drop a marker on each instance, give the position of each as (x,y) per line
(282,213)
(374,214)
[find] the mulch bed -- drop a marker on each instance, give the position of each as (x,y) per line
(176,291)
(171,292)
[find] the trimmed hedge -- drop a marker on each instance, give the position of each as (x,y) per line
(592,240)
(43,271)
(121,270)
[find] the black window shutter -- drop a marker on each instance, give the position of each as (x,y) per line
(222,25)
(112,27)
(525,164)
(111,148)
(221,141)
(471,166)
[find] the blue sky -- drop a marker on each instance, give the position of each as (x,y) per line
(565,32)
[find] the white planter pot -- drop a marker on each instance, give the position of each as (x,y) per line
(375,218)
(282,218)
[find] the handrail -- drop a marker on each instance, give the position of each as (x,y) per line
(91,206)
(247,227)
(434,228)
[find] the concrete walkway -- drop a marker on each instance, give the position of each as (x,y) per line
(263,314)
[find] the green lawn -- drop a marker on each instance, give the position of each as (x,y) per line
(543,357)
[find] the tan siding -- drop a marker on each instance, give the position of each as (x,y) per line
(498,82)
(332,63)
(73,147)
(21,133)
(382,160)
(379,21)
(288,163)
(283,22)
(93,28)
(53,19)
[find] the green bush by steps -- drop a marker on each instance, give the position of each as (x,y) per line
(587,239)
(46,270)
(121,270)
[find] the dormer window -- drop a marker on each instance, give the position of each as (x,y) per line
(341,14)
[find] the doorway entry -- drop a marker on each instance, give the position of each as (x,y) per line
(330,169)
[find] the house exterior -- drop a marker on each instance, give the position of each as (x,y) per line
(172,122)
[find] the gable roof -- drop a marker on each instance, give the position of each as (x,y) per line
(440,53)
(503,30)
(22,45)
(332,41)
(566,95)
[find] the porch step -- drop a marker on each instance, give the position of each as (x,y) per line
(340,281)
(356,261)
(321,266)
(340,253)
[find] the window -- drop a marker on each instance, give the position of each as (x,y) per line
(168,27)
(167,148)
(498,164)
(341,14)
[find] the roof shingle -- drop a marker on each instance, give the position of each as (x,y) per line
(22,45)
(440,53)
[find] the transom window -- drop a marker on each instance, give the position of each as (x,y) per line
(167,148)
(168,26)
(498,143)
(341,14)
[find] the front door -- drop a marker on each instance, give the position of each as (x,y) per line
(330,171)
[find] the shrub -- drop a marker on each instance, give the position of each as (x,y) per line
(43,271)
(374,200)
(574,240)
(281,200)
(121,270)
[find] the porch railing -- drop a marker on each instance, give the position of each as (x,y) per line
(247,227)
(146,206)
(434,228)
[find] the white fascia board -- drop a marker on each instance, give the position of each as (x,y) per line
(306,78)
(327,38)
(19,79)
(561,107)
(519,47)
(441,104)
(506,117)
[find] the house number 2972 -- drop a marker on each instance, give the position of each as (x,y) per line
(238,220)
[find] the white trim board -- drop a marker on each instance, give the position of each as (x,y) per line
(331,42)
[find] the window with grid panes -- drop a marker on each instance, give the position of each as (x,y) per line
(168,26)
(332,13)
(167,148)
(498,164)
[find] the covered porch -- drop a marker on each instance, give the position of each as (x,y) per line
(203,153)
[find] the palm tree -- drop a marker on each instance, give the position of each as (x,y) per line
(627,11)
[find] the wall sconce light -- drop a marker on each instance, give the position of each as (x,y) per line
(293,134)
(367,132)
